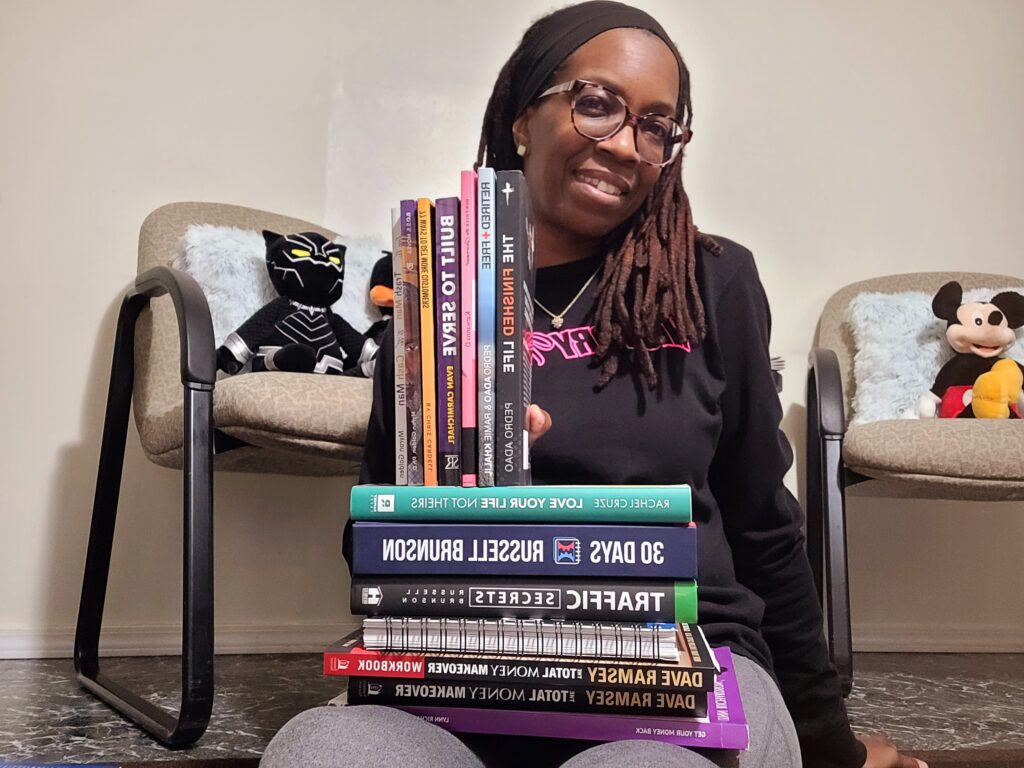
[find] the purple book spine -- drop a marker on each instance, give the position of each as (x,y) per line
(449,356)
(411,337)
(725,727)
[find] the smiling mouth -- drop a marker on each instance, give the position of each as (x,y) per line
(600,185)
(983,348)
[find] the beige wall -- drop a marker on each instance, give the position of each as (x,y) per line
(837,140)
(111,109)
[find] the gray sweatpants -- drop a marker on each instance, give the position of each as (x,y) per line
(381,737)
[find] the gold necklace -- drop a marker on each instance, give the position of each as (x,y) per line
(557,320)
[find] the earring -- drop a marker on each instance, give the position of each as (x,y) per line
(521,150)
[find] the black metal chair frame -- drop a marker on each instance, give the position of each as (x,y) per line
(198,372)
(827,481)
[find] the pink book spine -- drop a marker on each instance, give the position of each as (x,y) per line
(467,328)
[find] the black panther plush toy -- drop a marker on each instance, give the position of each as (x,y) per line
(298,331)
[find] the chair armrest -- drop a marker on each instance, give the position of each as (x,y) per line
(825,392)
(195,327)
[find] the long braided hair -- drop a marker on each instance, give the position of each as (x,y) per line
(649,271)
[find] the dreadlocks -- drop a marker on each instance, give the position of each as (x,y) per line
(648,276)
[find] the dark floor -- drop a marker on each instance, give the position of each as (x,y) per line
(925,701)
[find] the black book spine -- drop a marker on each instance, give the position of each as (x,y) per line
(514,321)
(449,355)
(503,598)
(514,695)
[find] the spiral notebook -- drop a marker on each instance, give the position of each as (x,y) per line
(525,637)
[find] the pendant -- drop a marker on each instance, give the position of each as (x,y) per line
(556,322)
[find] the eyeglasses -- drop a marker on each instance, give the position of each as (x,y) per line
(598,114)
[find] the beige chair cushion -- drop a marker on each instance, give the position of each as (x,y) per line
(306,412)
(325,416)
(965,458)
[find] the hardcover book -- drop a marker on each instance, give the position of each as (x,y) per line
(514,236)
(500,549)
(511,598)
(448,341)
(485,317)
(425,243)
(537,503)
(410,349)
(724,727)
(467,326)
(398,329)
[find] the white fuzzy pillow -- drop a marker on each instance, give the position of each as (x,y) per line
(901,346)
(230,266)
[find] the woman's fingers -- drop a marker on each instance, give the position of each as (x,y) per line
(538,421)
(882,753)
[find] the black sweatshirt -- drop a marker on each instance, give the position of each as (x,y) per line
(712,422)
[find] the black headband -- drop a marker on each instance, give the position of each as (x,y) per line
(555,37)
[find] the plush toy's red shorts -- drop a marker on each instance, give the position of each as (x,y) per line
(956,399)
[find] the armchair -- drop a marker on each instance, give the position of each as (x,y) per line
(164,365)
(933,458)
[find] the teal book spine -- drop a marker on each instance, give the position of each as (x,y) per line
(668,504)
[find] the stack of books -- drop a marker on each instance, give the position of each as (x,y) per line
(463,273)
(492,605)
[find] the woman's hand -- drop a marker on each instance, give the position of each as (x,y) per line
(882,753)
(538,421)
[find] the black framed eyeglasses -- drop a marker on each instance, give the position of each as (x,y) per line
(598,113)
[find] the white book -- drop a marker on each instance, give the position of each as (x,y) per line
(522,637)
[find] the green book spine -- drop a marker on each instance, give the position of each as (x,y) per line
(686,602)
(532,503)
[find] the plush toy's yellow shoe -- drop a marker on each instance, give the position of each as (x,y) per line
(996,390)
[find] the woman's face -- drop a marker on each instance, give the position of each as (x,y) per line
(564,170)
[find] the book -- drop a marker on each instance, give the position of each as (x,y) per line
(535,503)
(507,549)
(511,598)
(448,341)
(504,695)
(398,329)
(514,288)
(522,637)
(467,325)
(486,307)
(428,391)
(410,290)
(724,727)
(694,672)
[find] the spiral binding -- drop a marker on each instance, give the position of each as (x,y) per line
(522,637)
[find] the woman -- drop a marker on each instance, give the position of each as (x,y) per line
(651,355)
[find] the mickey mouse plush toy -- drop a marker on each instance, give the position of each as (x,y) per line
(977,382)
